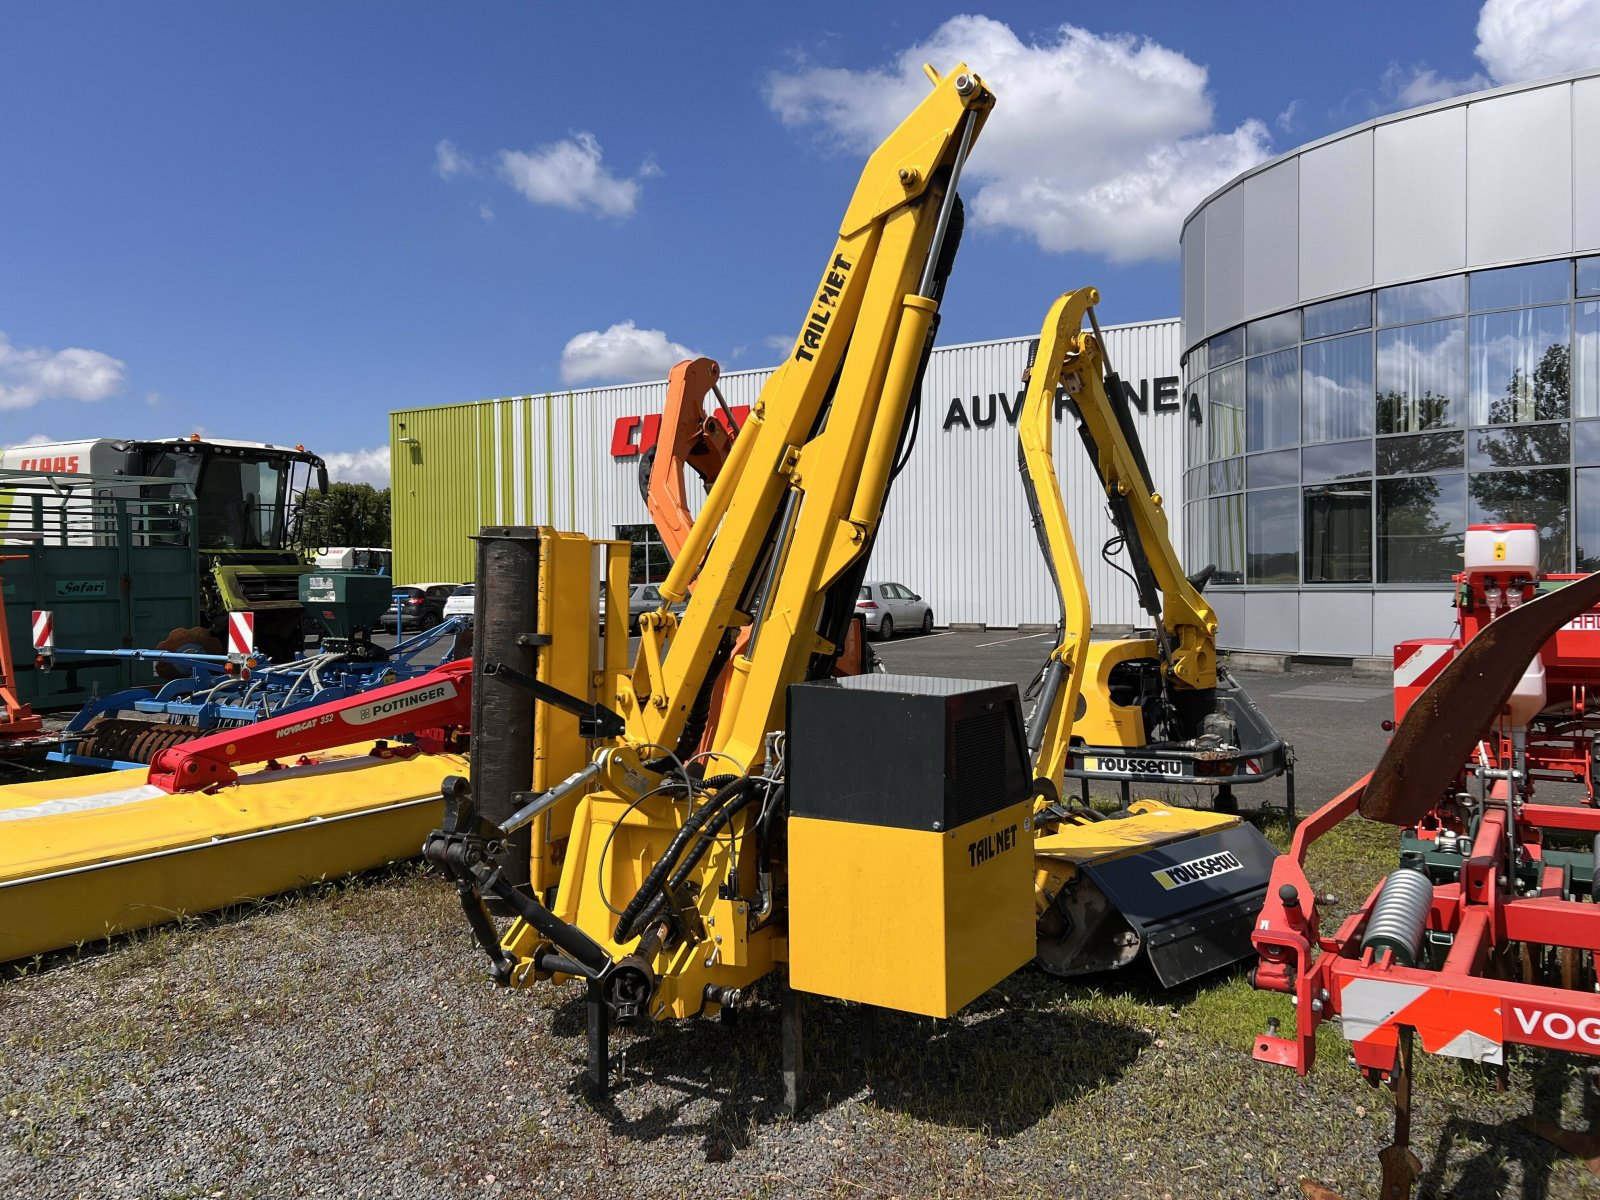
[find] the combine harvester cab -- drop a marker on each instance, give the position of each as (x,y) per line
(1485,935)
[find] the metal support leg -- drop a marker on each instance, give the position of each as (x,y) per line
(1127,794)
(597,1076)
(794,1063)
(1400,1166)
(867,1032)
(1225,801)
(1288,790)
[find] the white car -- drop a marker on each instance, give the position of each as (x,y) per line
(460,602)
(887,607)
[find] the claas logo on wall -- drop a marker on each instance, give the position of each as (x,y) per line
(632,436)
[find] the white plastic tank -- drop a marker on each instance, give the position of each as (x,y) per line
(1503,550)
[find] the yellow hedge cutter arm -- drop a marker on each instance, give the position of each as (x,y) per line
(1179,884)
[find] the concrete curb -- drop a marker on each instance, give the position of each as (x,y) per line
(1372,668)
(968,626)
(1256,660)
(1032,628)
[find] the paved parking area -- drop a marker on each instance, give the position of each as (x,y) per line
(1331,718)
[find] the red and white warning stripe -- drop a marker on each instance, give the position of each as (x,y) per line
(241,634)
(1419,668)
(44,629)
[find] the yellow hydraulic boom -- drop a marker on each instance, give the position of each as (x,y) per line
(1147,708)
(681,877)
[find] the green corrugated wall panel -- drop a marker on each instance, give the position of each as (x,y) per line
(439,500)
(507,455)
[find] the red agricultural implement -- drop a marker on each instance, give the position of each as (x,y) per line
(1486,934)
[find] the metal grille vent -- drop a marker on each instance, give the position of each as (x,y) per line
(978,766)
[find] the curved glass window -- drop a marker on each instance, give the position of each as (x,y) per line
(1225,412)
(1352,440)
(1272,536)
(1519,446)
(1420,455)
(1421,376)
(1225,348)
(1272,470)
(1421,528)
(1336,389)
(1338,316)
(1194,425)
(1336,460)
(1586,361)
(1422,301)
(1519,287)
(1338,533)
(1272,333)
(1541,498)
(1272,400)
(1589,277)
(1520,366)
(1225,526)
(1586,515)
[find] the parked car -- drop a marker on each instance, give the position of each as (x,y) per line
(419,605)
(460,602)
(643,598)
(887,607)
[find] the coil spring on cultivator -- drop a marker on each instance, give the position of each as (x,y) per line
(133,741)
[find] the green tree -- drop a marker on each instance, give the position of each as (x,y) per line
(347,514)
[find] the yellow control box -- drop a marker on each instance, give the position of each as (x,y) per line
(910,851)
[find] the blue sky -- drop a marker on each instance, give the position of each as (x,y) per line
(279,222)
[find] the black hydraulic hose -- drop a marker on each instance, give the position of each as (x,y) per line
(628,923)
(707,836)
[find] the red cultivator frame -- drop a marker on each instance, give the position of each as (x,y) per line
(1487,934)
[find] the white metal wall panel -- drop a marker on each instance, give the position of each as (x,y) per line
(1397,616)
(1335,217)
(956,528)
(1336,623)
(1475,181)
(1519,176)
(1271,216)
(1224,259)
(1193,243)
(1272,620)
(1586,164)
(1419,196)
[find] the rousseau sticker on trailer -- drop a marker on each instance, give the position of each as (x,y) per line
(1197,869)
(1106,765)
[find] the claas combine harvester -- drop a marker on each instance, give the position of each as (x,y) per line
(1484,937)
(728,806)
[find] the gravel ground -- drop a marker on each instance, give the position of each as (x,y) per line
(344,1042)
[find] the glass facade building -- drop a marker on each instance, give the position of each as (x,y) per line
(1337,447)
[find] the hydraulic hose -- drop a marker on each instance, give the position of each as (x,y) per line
(707,836)
(628,923)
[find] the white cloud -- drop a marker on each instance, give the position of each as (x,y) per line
(449,160)
(29,374)
(622,354)
(360,466)
(779,343)
(1531,39)
(40,439)
(1518,40)
(1106,142)
(485,212)
(569,174)
(1289,119)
